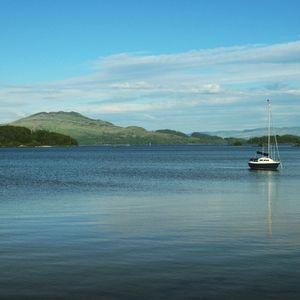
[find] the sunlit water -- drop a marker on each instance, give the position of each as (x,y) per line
(160,222)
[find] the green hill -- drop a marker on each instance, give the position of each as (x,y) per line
(97,132)
(257,132)
(14,136)
(281,139)
(94,132)
(173,132)
(209,139)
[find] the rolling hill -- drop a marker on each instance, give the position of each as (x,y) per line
(249,133)
(96,132)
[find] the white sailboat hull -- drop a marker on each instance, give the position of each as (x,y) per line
(263,164)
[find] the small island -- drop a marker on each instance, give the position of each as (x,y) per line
(17,136)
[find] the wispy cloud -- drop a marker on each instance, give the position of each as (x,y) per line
(193,84)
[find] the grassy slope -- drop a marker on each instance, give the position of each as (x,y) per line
(88,131)
(92,132)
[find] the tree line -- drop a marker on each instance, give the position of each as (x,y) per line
(15,136)
(281,139)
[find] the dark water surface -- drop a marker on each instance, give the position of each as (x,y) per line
(160,222)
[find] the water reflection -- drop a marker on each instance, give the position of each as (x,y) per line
(269,189)
(269,196)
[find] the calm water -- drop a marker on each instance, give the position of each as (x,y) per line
(160,222)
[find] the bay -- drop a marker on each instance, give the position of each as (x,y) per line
(140,222)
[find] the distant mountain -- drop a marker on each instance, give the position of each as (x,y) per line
(94,132)
(249,133)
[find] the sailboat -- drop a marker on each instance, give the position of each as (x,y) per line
(267,160)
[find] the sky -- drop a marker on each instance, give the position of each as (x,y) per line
(188,65)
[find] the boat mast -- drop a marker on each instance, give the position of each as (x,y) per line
(269,128)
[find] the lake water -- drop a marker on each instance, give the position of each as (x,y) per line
(160,222)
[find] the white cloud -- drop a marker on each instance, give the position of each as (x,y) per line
(169,84)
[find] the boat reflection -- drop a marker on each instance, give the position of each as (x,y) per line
(269,185)
(269,190)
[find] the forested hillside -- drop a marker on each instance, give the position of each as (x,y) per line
(14,136)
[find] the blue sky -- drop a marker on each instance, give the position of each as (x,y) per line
(189,65)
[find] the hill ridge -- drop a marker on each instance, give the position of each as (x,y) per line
(254,132)
(89,131)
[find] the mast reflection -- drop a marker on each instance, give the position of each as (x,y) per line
(270,191)
(269,185)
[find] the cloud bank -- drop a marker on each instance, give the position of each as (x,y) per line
(207,89)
